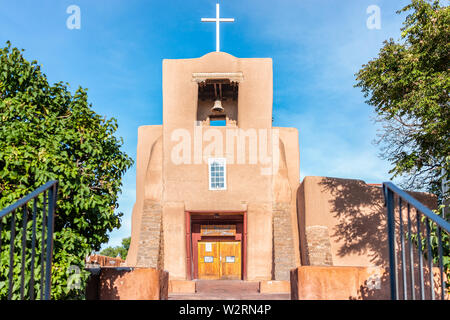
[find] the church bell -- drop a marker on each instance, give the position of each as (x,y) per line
(217,107)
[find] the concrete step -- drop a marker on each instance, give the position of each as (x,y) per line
(230,296)
(224,287)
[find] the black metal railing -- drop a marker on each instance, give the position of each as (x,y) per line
(28,224)
(416,246)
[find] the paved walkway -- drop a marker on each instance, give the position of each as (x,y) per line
(228,290)
(260,296)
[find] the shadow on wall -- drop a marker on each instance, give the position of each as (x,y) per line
(360,230)
(360,215)
(109,278)
(378,288)
(127,284)
(375,288)
(100,288)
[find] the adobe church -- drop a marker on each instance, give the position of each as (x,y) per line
(216,184)
(218,192)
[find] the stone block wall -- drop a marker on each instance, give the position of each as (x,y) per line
(150,249)
(318,246)
(283,243)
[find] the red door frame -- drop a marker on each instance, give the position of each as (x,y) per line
(189,249)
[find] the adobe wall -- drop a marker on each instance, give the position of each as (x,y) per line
(248,189)
(97,260)
(285,184)
(188,180)
(146,216)
(127,284)
(186,184)
(339,283)
(356,283)
(342,222)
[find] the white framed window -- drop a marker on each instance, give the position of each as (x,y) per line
(217,173)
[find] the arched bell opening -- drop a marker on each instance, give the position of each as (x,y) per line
(217,102)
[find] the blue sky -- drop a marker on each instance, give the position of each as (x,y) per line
(316,45)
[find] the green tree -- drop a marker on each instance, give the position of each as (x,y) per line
(121,251)
(48,133)
(408,85)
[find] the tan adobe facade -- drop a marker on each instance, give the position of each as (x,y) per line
(225,202)
(173,174)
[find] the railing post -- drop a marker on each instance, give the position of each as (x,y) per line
(419,254)
(411,256)
(430,257)
(389,196)
(11,255)
(24,250)
(402,248)
(33,249)
(43,233)
(50,224)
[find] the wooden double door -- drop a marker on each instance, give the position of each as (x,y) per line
(219,260)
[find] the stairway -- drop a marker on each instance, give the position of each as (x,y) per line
(228,290)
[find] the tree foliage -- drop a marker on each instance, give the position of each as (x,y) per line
(408,85)
(48,133)
(121,251)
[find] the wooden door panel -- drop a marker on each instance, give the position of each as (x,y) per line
(230,260)
(208,260)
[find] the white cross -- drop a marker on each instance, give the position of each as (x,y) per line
(217,20)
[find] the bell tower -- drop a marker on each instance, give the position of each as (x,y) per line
(216,183)
(218,102)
